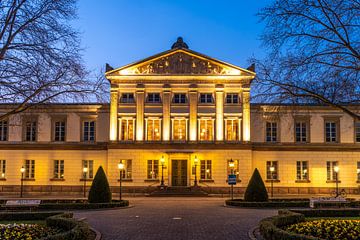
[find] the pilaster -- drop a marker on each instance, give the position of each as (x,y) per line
(166,112)
(140,97)
(246,114)
(193,99)
(219,98)
(114,102)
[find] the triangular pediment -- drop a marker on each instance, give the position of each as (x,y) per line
(180,62)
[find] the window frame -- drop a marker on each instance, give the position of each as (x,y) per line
(29,169)
(2,169)
(200,130)
(127,169)
(357,131)
(206,97)
(90,165)
(232,98)
(239,137)
(206,172)
(153,174)
(330,173)
(180,98)
(153,94)
(31,120)
(276,172)
(173,120)
(277,133)
(236,168)
(153,135)
(336,121)
(58,169)
(127,119)
(4,130)
(301,166)
(302,120)
(126,95)
(83,129)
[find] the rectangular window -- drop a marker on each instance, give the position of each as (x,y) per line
(301,131)
(331,131)
(153,129)
(330,170)
(179,129)
(89,164)
(89,131)
(272,170)
(358,171)
(206,129)
(205,170)
(232,131)
(153,98)
(59,131)
(271,131)
(236,169)
(127,129)
(30,131)
(206,98)
(357,132)
(127,98)
(3,130)
(179,98)
(302,172)
(232,98)
(153,169)
(2,168)
(29,169)
(127,172)
(58,169)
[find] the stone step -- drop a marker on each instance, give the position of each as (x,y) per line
(178,192)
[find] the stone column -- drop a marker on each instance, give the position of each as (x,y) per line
(166,112)
(219,98)
(114,101)
(193,99)
(140,97)
(246,114)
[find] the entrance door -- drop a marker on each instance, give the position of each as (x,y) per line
(179,172)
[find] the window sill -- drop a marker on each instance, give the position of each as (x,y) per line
(272,180)
(87,179)
(57,179)
(332,181)
(302,181)
(206,181)
(151,180)
(29,179)
(125,180)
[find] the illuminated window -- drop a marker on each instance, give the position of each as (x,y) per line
(153,169)
(29,169)
(301,131)
(302,171)
(232,131)
(206,129)
(236,169)
(330,170)
(153,98)
(331,131)
(272,175)
(179,129)
(127,98)
(59,131)
(358,171)
(206,98)
(89,164)
(3,130)
(205,170)
(127,171)
(2,168)
(153,129)
(179,98)
(232,98)
(58,169)
(357,132)
(127,127)
(271,131)
(89,131)
(30,131)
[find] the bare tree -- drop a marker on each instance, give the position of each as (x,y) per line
(313,53)
(40,55)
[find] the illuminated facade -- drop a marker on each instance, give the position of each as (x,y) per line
(175,110)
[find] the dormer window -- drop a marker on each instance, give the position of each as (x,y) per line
(232,98)
(154,98)
(127,98)
(206,98)
(179,98)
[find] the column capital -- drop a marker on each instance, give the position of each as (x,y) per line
(219,87)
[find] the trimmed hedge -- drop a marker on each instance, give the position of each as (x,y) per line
(100,189)
(270,204)
(80,206)
(354,212)
(22,216)
(256,190)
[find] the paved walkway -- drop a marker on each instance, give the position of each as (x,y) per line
(175,218)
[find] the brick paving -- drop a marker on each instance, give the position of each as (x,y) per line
(175,219)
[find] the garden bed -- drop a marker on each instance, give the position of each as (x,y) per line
(274,203)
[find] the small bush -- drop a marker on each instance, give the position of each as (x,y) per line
(328,212)
(256,190)
(100,189)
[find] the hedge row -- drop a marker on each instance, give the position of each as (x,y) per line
(80,206)
(270,228)
(270,204)
(22,216)
(329,212)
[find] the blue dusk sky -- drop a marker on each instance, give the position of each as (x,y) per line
(119,32)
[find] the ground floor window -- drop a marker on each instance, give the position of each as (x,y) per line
(153,169)
(302,171)
(205,170)
(58,169)
(127,172)
(29,169)
(89,165)
(127,129)
(358,171)
(272,170)
(330,169)
(236,169)
(2,168)
(179,129)
(232,131)
(206,129)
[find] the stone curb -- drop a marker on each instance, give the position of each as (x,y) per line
(98,234)
(251,234)
(99,209)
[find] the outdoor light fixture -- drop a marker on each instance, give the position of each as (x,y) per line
(121,167)
(162,161)
(272,170)
(22,170)
(336,170)
(196,161)
(85,170)
(232,165)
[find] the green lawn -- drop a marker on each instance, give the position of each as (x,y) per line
(40,222)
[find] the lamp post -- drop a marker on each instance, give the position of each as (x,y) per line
(85,170)
(272,170)
(162,161)
(232,165)
(120,167)
(196,160)
(336,170)
(22,170)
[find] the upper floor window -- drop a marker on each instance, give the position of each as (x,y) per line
(2,168)
(152,169)
(30,131)
(206,98)
(271,131)
(232,131)
(331,174)
(58,169)
(29,169)
(179,98)
(153,98)
(89,166)
(153,129)
(127,171)
(301,131)
(127,98)
(302,171)
(206,129)
(331,131)
(357,131)
(59,131)
(3,130)
(179,129)
(89,131)
(127,129)
(205,170)
(272,170)
(232,98)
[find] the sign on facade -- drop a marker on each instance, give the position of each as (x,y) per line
(232,179)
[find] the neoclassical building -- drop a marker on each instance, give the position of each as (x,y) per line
(178,115)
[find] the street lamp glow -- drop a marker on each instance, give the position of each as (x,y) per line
(121,166)
(196,160)
(85,170)
(231,163)
(336,169)
(358,171)
(272,169)
(162,160)
(22,169)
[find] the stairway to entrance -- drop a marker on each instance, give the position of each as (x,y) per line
(178,192)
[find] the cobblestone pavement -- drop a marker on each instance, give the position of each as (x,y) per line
(175,219)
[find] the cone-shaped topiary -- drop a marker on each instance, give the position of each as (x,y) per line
(256,190)
(100,189)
